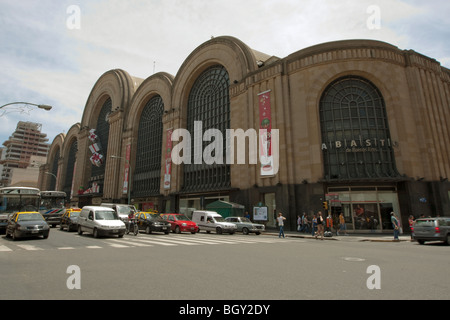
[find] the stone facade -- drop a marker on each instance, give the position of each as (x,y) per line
(416,93)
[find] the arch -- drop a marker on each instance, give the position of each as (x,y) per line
(115,84)
(234,55)
(356,141)
(158,84)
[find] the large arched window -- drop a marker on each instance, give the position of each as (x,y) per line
(356,142)
(102,131)
(67,188)
(147,175)
(54,171)
(209,102)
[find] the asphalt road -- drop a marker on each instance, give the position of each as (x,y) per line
(220,267)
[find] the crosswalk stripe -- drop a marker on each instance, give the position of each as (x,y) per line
(5,249)
(132,243)
(29,247)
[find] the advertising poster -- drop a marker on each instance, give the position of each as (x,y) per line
(265,140)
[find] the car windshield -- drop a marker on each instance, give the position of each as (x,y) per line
(105,215)
(30,217)
(181,217)
(125,210)
(153,216)
(74,214)
(219,219)
(245,220)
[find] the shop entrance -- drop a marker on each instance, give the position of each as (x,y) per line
(365,209)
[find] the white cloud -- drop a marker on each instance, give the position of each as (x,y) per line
(43,61)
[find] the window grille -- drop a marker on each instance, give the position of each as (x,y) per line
(147,175)
(356,141)
(208,102)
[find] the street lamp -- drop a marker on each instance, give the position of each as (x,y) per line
(129,176)
(46,107)
(40,106)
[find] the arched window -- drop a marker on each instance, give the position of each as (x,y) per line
(356,142)
(102,131)
(54,171)
(147,175)
(209,102)
(70,167)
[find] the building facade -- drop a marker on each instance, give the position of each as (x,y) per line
(26,141)
(359,124)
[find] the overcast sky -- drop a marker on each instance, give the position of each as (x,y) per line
(53,51)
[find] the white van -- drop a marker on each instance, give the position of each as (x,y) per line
(100,221)
(122,210)
(212,221)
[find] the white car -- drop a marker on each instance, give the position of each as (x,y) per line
(245,226)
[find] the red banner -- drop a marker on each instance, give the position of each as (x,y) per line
(265,134)
(168,159)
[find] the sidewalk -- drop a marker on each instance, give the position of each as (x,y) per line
(371,237)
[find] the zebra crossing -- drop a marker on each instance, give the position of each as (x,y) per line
(143,240)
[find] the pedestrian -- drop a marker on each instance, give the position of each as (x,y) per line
(395,225)
(320,223)
(330,223)
(299,223)
(411,221)
(304,222)
(280,220)
(313,225)
(342,225)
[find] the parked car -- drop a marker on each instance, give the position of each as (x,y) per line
(432,229)
(245,226)
(122,210)
(151,222)
(69,219)
(212,221)
(100,221)
(27,224)
(180,223)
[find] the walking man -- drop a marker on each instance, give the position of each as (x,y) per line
(280,220)
(395,225)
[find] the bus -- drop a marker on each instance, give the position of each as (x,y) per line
(52,206)
(16,199)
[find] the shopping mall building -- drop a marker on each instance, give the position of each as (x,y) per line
(360,124)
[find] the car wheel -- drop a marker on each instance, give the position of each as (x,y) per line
(95,233)
(45,235)
(244,230)
(219,230)
(13,235)
(420,241)
(148,230)
(80,232)
(447,241)
(177,229)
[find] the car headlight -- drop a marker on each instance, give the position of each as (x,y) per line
(184,224)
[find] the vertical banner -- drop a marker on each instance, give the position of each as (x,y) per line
(265,134)
(168,159)
(126,174)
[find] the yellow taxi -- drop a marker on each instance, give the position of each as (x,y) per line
(69,219)
(27,224)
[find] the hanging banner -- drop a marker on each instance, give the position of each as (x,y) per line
(126,174)
(265,134)
(168,159)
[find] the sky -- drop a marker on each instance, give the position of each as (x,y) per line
(53,51)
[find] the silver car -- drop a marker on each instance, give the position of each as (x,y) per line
(432,229)
(245,226)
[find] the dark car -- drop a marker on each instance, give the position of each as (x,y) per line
(27,224)
(151,222)
(432,229)
(69,219)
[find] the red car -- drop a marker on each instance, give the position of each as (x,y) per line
(180,223)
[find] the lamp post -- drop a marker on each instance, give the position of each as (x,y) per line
(40,106)
(54,176)
(129,176)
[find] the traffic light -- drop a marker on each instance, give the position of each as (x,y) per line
(325,205)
